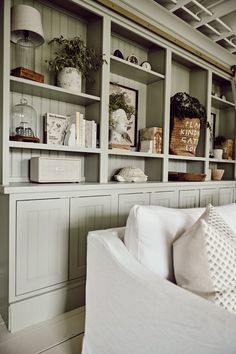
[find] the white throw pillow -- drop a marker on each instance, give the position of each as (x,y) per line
(151,230)
(205,260)
(149,234)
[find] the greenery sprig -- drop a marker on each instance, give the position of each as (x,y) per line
(219,141)
(74,53)
(119,100)
(183,105)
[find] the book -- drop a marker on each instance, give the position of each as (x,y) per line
(80,129)
(94,134)
(55,128)
(154,134)
(146,146)
(90,134)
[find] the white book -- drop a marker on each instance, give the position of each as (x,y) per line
(80,129)
(88,133)
(94,134)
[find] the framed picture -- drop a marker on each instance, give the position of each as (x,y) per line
(212,124)
(55,127)
(123,105)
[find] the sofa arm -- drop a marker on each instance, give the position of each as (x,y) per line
(130,310)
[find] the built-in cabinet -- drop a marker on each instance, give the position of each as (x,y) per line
(44,228)
(42,235)
(87,213)
(172,70)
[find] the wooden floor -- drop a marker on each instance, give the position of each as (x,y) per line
(60,335)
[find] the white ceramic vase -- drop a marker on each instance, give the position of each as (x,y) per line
(69,79)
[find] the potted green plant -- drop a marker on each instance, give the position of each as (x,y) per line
(73,59)
(219,145)
(120,114)
(187,115)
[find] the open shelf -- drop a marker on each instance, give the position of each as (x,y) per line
(51,92)
(134,153)
(134,72)
(51,147)
(218,102)
(188,158)
(221,160)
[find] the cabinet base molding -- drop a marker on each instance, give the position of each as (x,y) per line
(46,306)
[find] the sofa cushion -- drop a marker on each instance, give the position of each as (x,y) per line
(151,230)
(205,259)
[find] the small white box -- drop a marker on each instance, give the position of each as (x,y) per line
(47,170)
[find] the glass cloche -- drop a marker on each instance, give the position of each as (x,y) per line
(24,122)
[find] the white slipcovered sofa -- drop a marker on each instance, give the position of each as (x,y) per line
(131,309)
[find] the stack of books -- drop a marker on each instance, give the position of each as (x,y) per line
(71,131)
(85,131)
(151,140)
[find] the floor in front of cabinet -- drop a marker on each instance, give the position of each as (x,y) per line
(60,335)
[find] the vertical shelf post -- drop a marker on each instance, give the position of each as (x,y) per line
(4,89)
(104,121)
(167,116)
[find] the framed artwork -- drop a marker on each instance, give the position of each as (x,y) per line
(212,123)
(123,103)
(55,128)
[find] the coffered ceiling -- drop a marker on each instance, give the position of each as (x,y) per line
(214,18)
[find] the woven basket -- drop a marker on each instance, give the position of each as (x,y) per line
(184,136)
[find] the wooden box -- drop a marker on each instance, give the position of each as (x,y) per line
(27,74)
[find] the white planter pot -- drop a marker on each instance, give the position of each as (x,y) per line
(70,79)
(217,153)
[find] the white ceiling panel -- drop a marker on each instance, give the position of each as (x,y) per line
(216,19)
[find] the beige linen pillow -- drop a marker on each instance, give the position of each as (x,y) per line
(205,260)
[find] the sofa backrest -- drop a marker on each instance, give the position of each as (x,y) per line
(151,230)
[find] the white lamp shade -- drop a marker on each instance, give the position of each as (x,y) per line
(26,18)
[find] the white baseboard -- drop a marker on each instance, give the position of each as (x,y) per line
(52,336)
(46,306)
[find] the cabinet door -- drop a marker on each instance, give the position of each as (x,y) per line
(41,243)
(189,198)
(127,201)
(167,199)
(226,195)
(87,214)
(207,196)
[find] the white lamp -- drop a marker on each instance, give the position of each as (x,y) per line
(26,33)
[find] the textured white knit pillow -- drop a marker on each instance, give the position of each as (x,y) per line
(205,260)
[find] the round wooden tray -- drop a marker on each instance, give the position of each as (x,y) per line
(186,177)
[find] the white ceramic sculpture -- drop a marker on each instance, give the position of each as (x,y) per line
(131,174)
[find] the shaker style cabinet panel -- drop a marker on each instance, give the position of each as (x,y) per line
(167,199)
(226,195)
(208,196)
(127,201)
(86,214)
(189,198)
(42,236)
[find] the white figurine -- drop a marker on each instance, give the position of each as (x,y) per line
(119,127)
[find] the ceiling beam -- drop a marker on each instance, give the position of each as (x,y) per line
(180,4)
(151,26)
(225,35)
(218,11)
